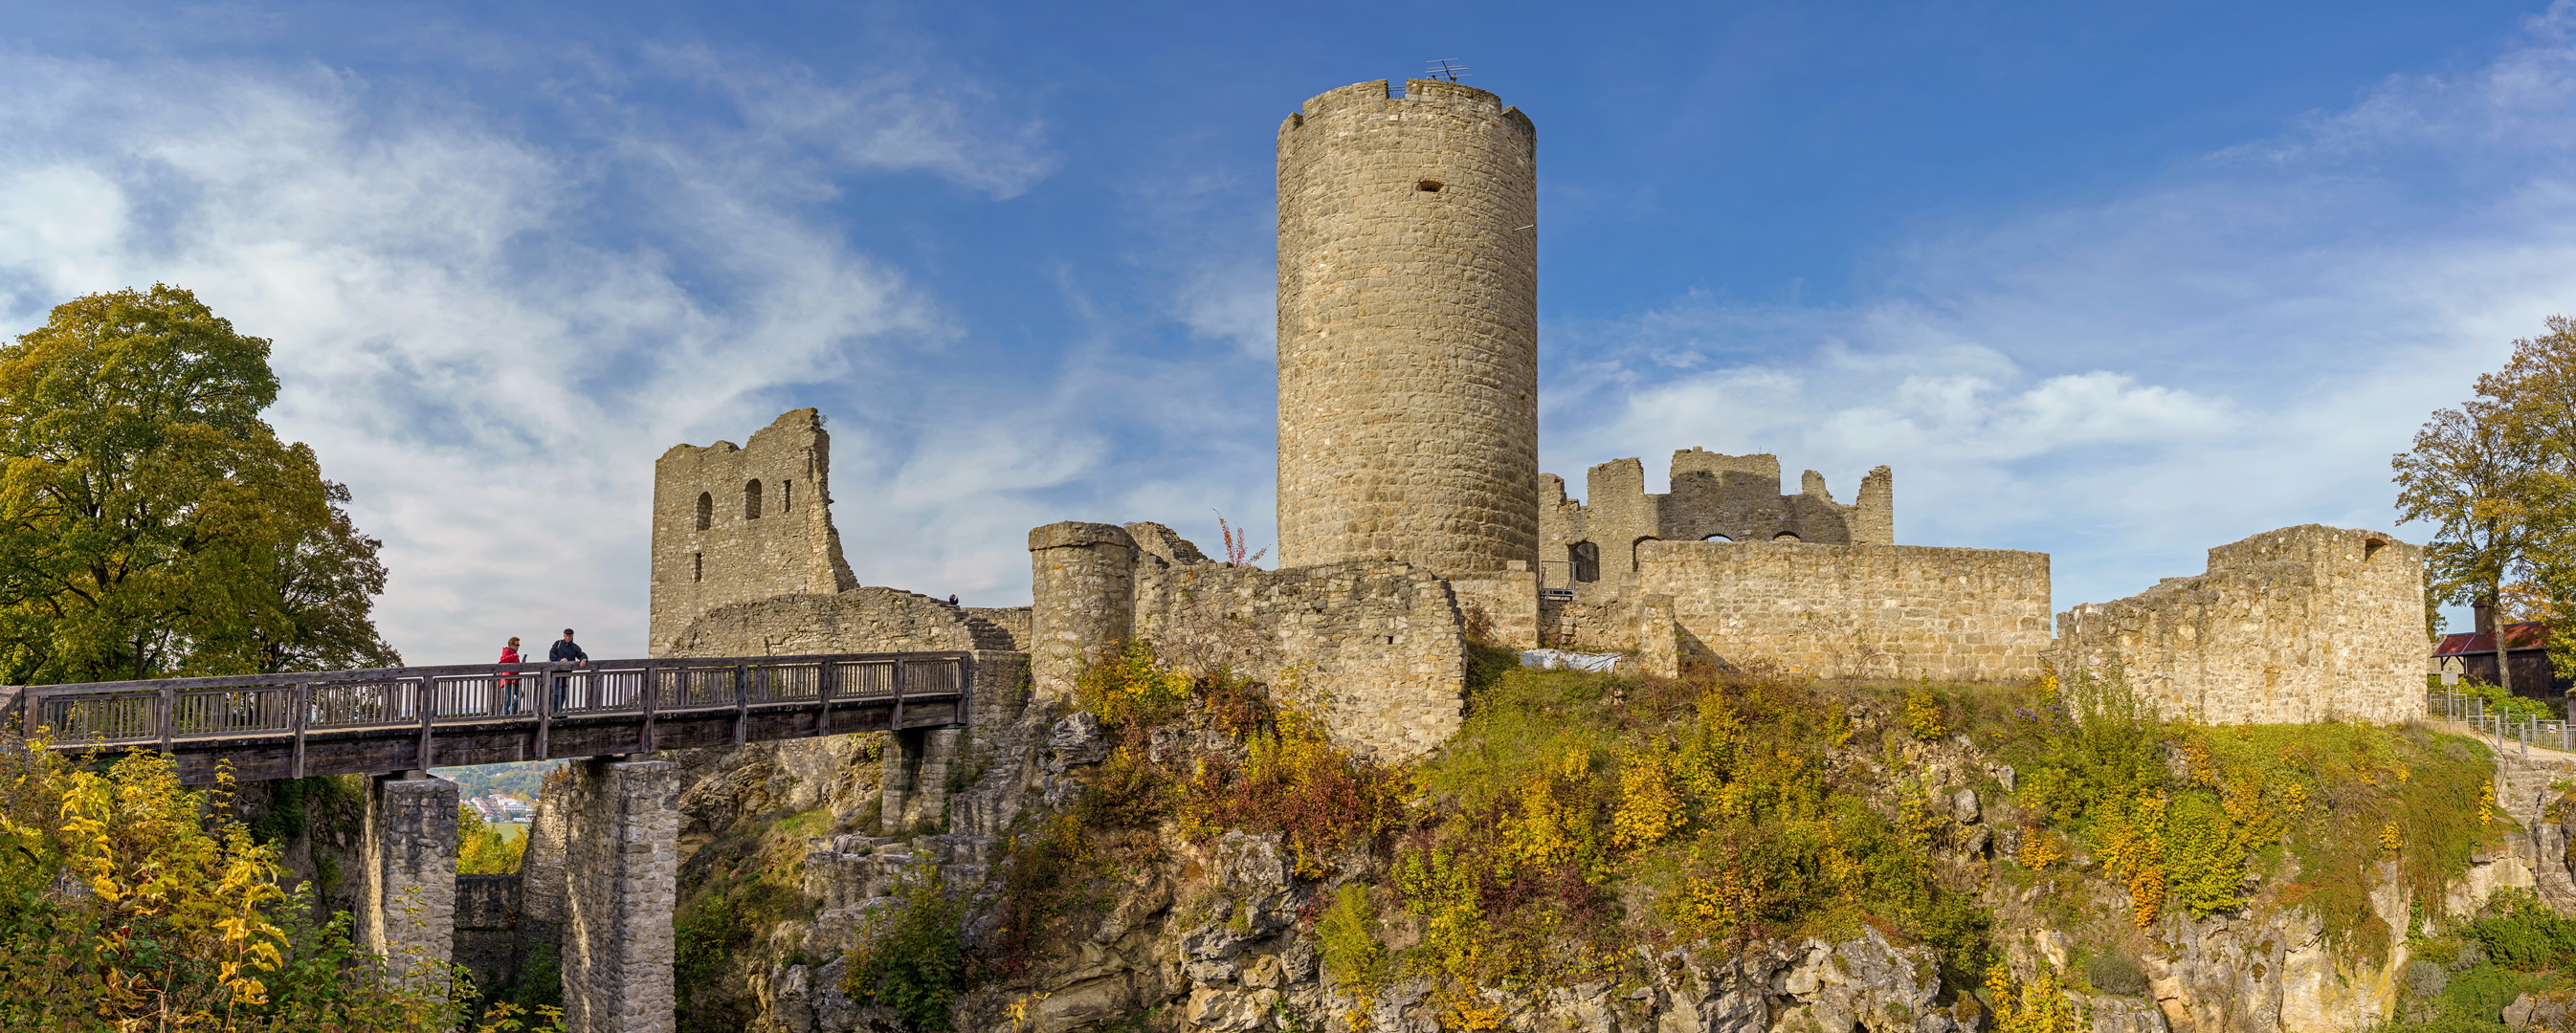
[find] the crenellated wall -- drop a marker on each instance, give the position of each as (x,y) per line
(1737,498)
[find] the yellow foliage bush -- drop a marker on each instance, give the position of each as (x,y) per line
(1649,809)
(128,901)
(2039,850)
(2039,1006)
(1923,714)
(1133,687)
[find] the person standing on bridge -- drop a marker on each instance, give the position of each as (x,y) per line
(565,650)
(568,651)
(509,683)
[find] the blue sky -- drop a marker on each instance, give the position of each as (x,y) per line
(2116,282)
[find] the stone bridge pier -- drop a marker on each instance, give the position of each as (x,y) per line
(602,874)
(407,900)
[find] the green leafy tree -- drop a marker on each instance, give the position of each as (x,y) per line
(2471,478)
(151,523)
(2534,398)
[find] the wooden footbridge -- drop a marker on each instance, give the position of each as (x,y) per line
(414,718)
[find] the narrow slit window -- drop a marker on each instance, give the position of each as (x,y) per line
(697,566)
(786,496)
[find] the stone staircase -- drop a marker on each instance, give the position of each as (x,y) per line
(2524,776)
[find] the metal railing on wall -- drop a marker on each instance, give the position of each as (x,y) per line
(2506,729)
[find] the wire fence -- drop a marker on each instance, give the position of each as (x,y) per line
(2506,729)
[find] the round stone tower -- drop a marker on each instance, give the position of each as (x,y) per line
(1408,329)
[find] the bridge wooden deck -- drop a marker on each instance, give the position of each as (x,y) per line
(413,718)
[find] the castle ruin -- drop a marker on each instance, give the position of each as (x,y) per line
(1413,517)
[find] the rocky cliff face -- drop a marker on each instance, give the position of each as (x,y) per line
(1220,932)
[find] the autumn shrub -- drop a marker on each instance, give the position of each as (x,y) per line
(911,958)
(2183,815)
(1923,715)
(2038,1006)
(1292,780)
(1347,935)
(1043,873)
(1715,803)
(734,888)
(128,901)
(1127,790)
(1133,688)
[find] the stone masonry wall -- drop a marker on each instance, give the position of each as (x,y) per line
(1408,329)
(408,903)
(621,869)
(1855,611)
(1379,644)
(860,620)
(2306,623)
(487,928)
(1505,603)
(1734,497)
(739,524)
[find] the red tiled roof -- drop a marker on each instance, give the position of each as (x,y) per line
(2517,637)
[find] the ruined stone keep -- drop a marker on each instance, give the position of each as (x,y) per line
(1408,329)
(741,524)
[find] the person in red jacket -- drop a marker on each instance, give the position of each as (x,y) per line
(509,684)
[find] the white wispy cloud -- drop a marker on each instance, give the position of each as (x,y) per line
(2236,345)
(490,370)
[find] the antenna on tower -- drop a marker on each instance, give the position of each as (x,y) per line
(1449,68)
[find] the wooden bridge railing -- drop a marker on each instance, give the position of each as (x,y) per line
(180,714)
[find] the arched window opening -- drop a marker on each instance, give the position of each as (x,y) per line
(697,566)
(706,510)
(1636,550)
(786,496)
(1717,538)
(1585,558)
(751,501)
(1785,536)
